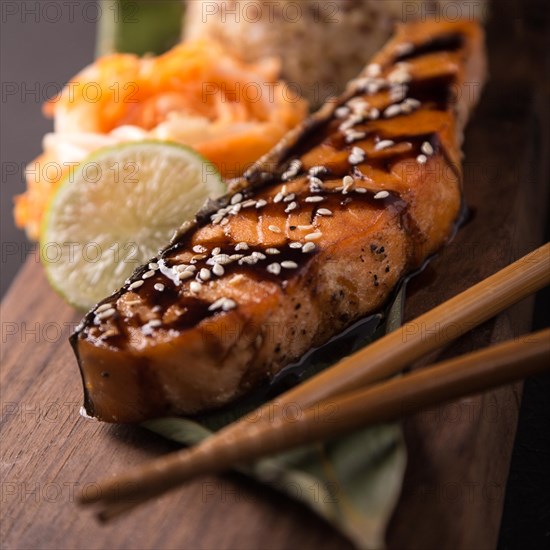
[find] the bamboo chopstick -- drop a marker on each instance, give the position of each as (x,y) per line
(388,355)
(383,402)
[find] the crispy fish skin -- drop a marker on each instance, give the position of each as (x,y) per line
(368,187)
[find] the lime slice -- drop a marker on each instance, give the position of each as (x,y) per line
(118,208)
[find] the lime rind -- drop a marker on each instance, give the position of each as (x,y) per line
(119,207)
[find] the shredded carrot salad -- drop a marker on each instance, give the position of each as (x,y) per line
(196,94)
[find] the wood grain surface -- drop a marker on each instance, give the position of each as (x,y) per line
(458,454)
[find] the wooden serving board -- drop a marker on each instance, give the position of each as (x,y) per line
(458,454)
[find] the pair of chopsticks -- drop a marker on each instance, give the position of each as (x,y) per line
(351,394)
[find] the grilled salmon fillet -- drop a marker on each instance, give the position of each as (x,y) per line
(313,237)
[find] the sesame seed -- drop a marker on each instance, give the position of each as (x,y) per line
(198,249)
(272,251)
(427,148)
(422,159)
(295,245)
(287,264)
(147,330)
(305,227)
(218,270)
(204,274)
(360,108)
(225,221)
(229,304)
(374,69)
(217,304)
(314,180)
(105,307)
(241,246)
(414,103)
(374,87)
(317,170)
(289,174)
(404,48)
(352,135)
(374,114)
(258,255)
(250,260)
(191,268)
(358,105)
(290,197)
(313,236)
(360,190)
(292,171)
(159,287)
(274,229)
(398,92)
(348,182)
(399,76)
(355,159)
(308,247)
(221,259)
(185,275)
(153,265)
(314,199)
(236,279)
(216,251)
(104,314)
(359,83)
(261,203)
(236,198)
(341,112)
(235,257)
(324,212)
(195,286)
(248,203)
(292,206)
(382,195)
(392,110)
(155,323)
(384,144)
(172,273)
(403,65)
(148,274)
(278,197)
(274,268)
(283,190)
(350,122)
(236,209)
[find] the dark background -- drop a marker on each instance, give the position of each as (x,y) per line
(40,49)
(37,49)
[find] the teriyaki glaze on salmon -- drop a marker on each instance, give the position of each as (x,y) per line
(315,236)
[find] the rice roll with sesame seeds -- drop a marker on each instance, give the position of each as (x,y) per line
(321,44)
